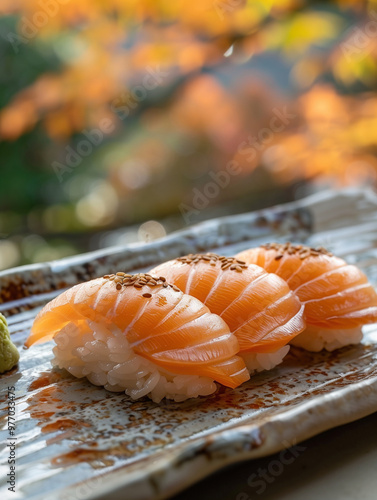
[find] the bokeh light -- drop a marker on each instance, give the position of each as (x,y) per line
(117,117)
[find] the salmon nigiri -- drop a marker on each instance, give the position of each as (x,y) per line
(138,334)
(337,296)
(259,307)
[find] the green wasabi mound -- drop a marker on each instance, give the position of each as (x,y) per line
(9,355)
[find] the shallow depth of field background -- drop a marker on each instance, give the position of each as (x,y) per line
(123,120)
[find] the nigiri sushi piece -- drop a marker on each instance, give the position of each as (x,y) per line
(259,308)
(337,296)
(140,335)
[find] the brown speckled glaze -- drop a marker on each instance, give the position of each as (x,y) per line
(78,441)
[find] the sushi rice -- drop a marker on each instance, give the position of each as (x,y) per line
(104,357)
(315,339)
(260,361)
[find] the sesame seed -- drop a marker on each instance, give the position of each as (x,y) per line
(300,250)
(136,280)
(212,259)
(147,295)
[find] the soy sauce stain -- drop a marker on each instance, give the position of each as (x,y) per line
(63,424)
(47,378)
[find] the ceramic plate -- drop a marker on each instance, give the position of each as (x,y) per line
(77,441)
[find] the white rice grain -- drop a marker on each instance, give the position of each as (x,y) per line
(103,356)
(315,339)
(260,361)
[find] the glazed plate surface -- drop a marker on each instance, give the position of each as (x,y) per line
(78,441)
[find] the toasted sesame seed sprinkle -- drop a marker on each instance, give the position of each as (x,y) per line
(138,281)
(301,251)
(212,259)
(147,295)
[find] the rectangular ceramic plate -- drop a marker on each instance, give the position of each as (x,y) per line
(78,441)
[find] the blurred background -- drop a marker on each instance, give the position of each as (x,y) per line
(123,120)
